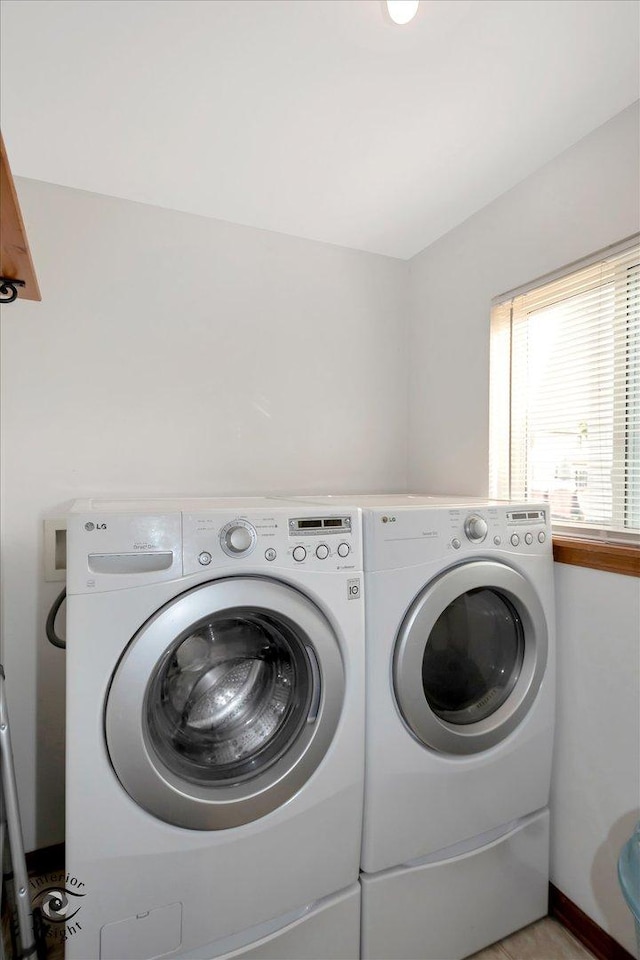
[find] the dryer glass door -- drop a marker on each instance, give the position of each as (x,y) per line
(473,656)
(224,703)
(470,657)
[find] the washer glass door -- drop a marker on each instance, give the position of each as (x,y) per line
(229,699)
(224,703)
(470,657)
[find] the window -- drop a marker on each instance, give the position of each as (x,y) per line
(565,396)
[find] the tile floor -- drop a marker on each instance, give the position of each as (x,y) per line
(545,940)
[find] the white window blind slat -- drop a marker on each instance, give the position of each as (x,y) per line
(565,395)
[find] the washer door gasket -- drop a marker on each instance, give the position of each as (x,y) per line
(224,703)
(470,657)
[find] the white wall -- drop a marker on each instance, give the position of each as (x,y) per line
(585,199)
(582,201)
(596,777)
(176,354)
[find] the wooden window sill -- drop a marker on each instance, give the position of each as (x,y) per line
(612,557)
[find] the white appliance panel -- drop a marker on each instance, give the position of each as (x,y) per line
(451,908)
(452,769)
(131,862)
(329,929)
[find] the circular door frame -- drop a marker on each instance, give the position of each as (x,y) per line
(139,768)
(417,625)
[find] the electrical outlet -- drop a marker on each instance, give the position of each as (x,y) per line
(55,548)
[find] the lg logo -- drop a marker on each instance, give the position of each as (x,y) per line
(94,526)
(388,519)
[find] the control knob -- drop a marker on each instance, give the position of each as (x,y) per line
(238,538)
(475,528)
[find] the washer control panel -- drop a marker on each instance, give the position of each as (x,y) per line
(331,534)
(314,541)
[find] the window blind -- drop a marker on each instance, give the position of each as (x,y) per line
(565,396)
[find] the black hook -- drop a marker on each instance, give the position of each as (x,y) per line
(9,289)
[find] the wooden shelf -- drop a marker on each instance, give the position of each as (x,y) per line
(15,256)
(612,557)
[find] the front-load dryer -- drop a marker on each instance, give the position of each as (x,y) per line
(215,726)
(460,650)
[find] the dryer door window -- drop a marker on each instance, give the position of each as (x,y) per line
(225,703)
(470,657)
(473,656)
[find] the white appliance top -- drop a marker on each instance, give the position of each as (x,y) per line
(159,505)
(384,501)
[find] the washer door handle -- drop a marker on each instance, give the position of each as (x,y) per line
(314,709)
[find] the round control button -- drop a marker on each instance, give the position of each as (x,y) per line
(238,538)
(528,538)
(299,553)
(344,549)
(542,537)
(497,541)
(515,539)
(204,558)
(270,554)
(476,528)
(322,551)
(455,543)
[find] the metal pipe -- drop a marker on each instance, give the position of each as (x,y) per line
(14,831)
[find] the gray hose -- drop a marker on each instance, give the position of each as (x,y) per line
(50,625)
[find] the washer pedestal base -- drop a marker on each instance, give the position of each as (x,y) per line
(329,928)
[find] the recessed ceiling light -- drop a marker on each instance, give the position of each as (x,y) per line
(402,11)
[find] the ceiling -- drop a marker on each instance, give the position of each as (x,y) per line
(317,118)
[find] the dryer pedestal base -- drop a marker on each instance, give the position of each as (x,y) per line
(447,909)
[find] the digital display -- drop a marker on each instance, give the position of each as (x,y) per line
(529,515)
(311,525)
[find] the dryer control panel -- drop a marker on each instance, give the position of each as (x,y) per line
(499,526)
(404,536)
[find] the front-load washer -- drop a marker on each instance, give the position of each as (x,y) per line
(460,673)
(215,727)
